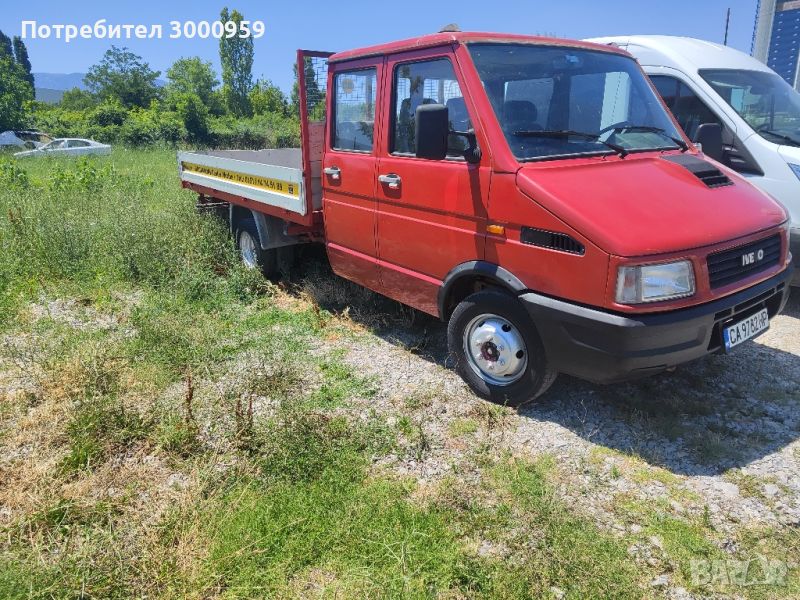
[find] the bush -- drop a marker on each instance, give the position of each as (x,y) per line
(170,128)
(194,115)
(181,118)
(108,113)
(60,122)
(139,129)
(78,99)
(269,130)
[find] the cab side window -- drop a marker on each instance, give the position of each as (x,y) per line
(429,82)
(354,110)
(689,110)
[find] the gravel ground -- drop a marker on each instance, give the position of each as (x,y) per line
(719,437)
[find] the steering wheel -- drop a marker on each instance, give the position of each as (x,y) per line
(613,127)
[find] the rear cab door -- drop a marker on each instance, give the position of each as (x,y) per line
(349,169)
(431,213)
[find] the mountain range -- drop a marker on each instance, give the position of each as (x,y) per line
(59,81)
(50,87)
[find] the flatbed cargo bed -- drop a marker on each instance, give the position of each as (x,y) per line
(271,177)
(283,182)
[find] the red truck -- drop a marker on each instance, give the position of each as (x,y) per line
(534,193)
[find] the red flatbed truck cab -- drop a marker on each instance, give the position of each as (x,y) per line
(534,193)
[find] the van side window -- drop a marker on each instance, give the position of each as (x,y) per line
(429,82)
(354,110)
(689,110)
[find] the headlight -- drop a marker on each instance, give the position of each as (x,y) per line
(651,283)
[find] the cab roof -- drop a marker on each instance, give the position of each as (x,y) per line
(461,37)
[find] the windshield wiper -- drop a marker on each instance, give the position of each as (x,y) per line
(783,136)
(565,133)
(651,129)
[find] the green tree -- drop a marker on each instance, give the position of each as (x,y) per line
(314,94)
(192,76)
(194,114)
(266,97)
(15,94)
(124,76)
(21,56)
(236,57)
(78,99)
(6,49)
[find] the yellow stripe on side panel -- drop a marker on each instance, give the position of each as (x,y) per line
(278,186)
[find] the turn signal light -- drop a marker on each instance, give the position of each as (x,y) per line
(496,229)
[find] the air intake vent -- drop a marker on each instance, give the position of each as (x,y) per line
(732,265)
(703,170)
(551,239)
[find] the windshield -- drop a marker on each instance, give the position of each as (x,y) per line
(556,101)
(763,99)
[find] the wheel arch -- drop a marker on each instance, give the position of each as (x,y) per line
(473,276)
(271,230)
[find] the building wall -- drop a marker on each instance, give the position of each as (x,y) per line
(776,39)
(784,44)
(764,15)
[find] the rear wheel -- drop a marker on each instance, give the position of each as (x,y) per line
(252,254)
(498,350)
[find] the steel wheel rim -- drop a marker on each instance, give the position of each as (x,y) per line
(495,349)
(248,250)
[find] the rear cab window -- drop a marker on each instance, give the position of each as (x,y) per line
(354,110)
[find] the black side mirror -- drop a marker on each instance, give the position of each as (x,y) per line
(431,127)
(709,136)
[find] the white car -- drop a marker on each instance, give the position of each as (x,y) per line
(758,113)
(68,147)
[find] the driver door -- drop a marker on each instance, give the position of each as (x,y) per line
(431,213)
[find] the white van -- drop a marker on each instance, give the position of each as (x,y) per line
(757,111)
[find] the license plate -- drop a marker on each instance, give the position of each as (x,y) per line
(746,329)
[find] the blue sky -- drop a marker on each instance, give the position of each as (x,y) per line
(319,25)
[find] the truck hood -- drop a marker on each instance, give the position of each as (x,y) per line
(645,205)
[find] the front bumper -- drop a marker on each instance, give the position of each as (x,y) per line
(794,248)
(606,347)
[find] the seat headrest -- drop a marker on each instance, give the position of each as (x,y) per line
(456,104)
(520,111)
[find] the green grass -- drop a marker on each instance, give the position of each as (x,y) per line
(312,509)
(191,436)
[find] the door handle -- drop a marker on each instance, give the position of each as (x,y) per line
(334,172)
(390,179)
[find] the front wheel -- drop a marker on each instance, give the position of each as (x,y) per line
(498,350)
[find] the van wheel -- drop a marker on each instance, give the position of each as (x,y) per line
(497,349)
(252,254)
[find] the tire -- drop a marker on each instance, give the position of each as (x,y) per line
(500,336)
(250,250)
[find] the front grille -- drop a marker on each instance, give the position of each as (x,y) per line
(732,265)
